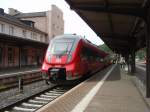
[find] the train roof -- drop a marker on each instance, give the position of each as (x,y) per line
(73,36)
(77,39)
(68,36)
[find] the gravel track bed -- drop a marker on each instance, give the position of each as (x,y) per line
(10,96)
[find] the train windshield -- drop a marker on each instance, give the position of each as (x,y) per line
(62,46)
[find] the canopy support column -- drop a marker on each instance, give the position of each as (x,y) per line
(127,61)
(148,54)
(133,69)
(19,56)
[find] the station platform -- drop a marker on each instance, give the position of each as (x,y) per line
(17,69)
(110,90)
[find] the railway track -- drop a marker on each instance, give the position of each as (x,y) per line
(36,101)
(11,80)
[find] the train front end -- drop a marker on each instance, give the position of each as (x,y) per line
(58,66)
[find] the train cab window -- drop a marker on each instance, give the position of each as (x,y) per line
(62,46)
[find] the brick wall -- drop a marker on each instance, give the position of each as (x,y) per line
(10,56)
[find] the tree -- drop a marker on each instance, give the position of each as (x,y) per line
(141,53)
(105,48)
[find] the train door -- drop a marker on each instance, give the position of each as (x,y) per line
(84,60)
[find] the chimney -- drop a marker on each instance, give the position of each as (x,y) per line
(13,12)
(1,11)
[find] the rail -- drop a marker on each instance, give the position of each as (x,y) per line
(19,76)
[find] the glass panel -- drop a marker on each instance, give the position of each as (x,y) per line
(61,46)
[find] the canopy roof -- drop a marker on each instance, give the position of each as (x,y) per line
(119,23)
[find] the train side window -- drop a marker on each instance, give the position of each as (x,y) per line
(83,54)
(88,53)
(97,58)
(92,55)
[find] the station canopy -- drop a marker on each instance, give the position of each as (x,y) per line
(119,23)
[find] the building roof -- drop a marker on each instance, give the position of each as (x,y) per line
(119,23)
(21,41)
(30,15)
(15,21)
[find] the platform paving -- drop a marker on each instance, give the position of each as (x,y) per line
(117,94)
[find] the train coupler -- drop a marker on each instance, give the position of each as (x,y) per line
(57,73)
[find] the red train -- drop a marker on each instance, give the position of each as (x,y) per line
(69,58)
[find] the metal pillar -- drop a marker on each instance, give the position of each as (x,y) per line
(19,57)
(37,57)
(148,54)
(127,61)
(20,84)
(133,69)
(3,54)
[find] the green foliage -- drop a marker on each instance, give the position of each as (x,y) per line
(141,54)
(105,48)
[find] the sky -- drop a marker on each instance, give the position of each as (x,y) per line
(73,23)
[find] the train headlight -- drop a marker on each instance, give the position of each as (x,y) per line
(44,75)
(48,58)
(75,74)
(69,76)
(69,58)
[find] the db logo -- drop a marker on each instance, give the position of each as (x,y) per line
(58,60)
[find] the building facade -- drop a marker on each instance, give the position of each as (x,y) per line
(50,21)
(24,37)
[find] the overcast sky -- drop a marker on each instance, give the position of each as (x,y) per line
(73,23)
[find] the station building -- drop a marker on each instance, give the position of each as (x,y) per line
(50,22)
(24,37)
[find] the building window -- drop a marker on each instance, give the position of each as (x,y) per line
(2,28)
(53,26)
(41,38)
(34,36)
(53,35)
(31,35)
(11,30)
(10,55)
(24,32)
(1,55)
